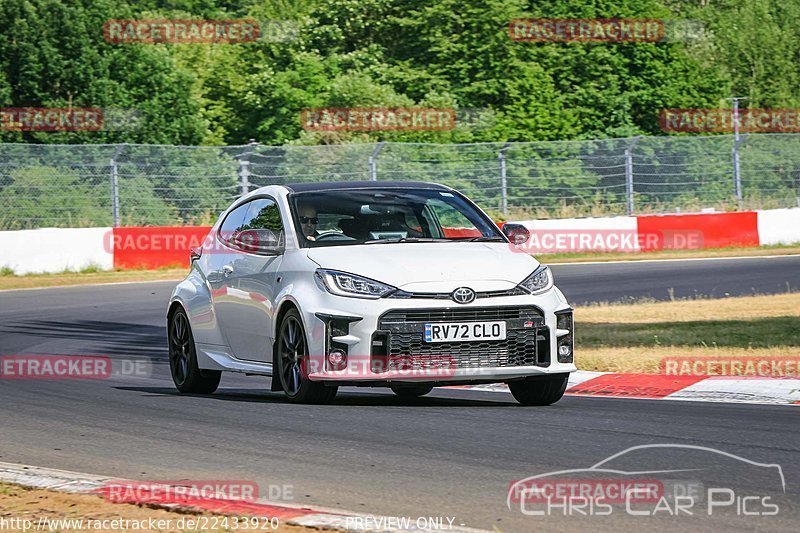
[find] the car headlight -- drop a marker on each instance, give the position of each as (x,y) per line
(540,281)
(344,284)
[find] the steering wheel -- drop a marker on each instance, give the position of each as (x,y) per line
(333,235)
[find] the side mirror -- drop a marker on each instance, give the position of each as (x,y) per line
(261,241)
(516,233)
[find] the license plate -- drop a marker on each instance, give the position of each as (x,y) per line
(465,331)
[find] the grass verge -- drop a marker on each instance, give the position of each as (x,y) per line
(636,337)
(586,257)
(10,281)
(53,508)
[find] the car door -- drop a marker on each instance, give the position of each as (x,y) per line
(253,282)
(219,265)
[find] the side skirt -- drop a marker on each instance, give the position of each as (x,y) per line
(213,357)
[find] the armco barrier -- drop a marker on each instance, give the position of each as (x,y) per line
(59,249)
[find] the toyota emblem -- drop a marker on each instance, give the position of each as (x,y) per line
(463,295)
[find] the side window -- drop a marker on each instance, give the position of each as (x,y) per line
(232,223)
(263,214)
(413,222)
(449,216)
(261,229)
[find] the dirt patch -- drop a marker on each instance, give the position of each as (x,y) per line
(46,510)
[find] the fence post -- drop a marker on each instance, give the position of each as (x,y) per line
(115,185)
(737,172)
(244,167)
(503,183)
(629,174)
(244,176)
(737,140)
(373,161)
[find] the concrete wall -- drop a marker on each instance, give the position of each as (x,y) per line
(55,249)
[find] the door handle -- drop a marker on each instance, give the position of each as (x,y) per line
(227,270)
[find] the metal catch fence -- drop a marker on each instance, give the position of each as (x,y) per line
(131,185)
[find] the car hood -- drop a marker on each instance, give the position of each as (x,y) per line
(431,267)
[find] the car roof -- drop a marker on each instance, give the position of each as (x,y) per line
(344,185)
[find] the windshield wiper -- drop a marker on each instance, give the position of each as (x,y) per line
(402,239)
(493,238)
(482,238)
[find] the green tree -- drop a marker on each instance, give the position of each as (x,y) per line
(53,54)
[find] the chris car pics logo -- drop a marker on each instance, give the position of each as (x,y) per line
(655,480)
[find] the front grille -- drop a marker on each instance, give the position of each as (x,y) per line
(516,291)
(464,314)
(399,343)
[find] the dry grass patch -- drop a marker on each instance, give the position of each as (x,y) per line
(644,359)
(636,337)
(733,308)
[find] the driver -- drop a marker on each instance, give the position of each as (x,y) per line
(308,221)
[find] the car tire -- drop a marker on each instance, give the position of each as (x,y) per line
(292,352)
(186,374)
(411,391)
(539,391)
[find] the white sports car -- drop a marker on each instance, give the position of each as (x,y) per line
(405,285)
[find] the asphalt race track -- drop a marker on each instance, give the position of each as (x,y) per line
(454,453)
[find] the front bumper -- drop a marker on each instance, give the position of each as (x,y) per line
(376,348)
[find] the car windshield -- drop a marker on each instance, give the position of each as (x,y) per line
(378,216)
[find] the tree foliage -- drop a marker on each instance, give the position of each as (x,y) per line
(383,53)
(387,53)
